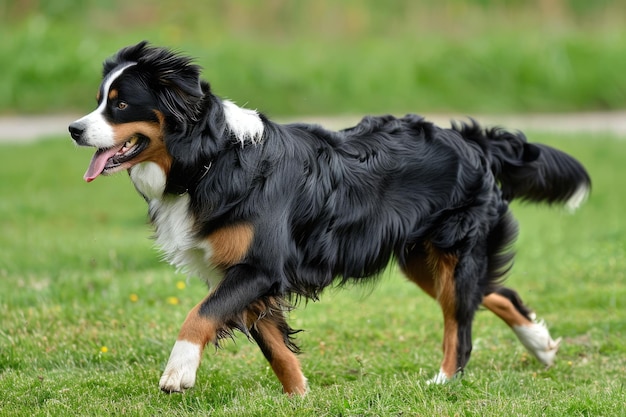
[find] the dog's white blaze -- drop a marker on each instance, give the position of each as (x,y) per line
(578,198)
(245,124)
(180,372)
(98,132)
(536,338)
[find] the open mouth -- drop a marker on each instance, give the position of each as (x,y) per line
(110,160)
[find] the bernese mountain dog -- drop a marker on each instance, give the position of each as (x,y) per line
(270,213)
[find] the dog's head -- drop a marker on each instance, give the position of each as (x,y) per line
(145,92)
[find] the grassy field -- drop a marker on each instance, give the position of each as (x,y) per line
(328,57)
(88,314)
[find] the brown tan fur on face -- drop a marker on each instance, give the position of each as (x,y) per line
(156,151)
(113,94)
(230,244)
(125,131)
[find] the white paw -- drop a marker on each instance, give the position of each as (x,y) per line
(301,388)
(439,379)
(180,372)
(536,338)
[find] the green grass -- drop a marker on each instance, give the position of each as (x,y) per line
(328,57)
(78,274)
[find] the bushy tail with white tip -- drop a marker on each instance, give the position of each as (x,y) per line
(530,171)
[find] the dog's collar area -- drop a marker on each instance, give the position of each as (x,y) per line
(180,185)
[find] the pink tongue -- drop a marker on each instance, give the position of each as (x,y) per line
(98,162)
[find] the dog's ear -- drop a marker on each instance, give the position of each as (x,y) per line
(173,78)
(194,146)
(128,54)
(178,87)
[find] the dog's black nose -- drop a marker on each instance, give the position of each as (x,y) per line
(76,130)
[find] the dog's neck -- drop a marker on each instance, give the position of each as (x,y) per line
(149,180)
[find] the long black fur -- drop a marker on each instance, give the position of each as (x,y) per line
(331,207)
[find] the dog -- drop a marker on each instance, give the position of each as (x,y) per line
(268,214)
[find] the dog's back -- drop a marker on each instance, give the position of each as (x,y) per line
(363,195)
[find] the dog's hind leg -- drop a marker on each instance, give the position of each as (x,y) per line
(504,303)
(417,269)
(434,271)
(534,335)
(272,334)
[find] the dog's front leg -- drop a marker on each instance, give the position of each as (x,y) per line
(196,332)
(241,286)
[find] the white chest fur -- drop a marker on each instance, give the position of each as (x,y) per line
(174,225)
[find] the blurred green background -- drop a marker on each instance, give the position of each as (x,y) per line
(324,57)
(73,255)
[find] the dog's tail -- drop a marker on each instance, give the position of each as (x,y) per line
(531,171)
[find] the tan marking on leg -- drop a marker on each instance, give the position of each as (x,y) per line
(181,368)
(230,244)
(443,266)
(433,272)
(198,329)
(284,362)
(504,308)
(420,272)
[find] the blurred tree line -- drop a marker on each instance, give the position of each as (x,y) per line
(321,17)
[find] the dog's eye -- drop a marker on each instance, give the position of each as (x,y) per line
(121,105)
